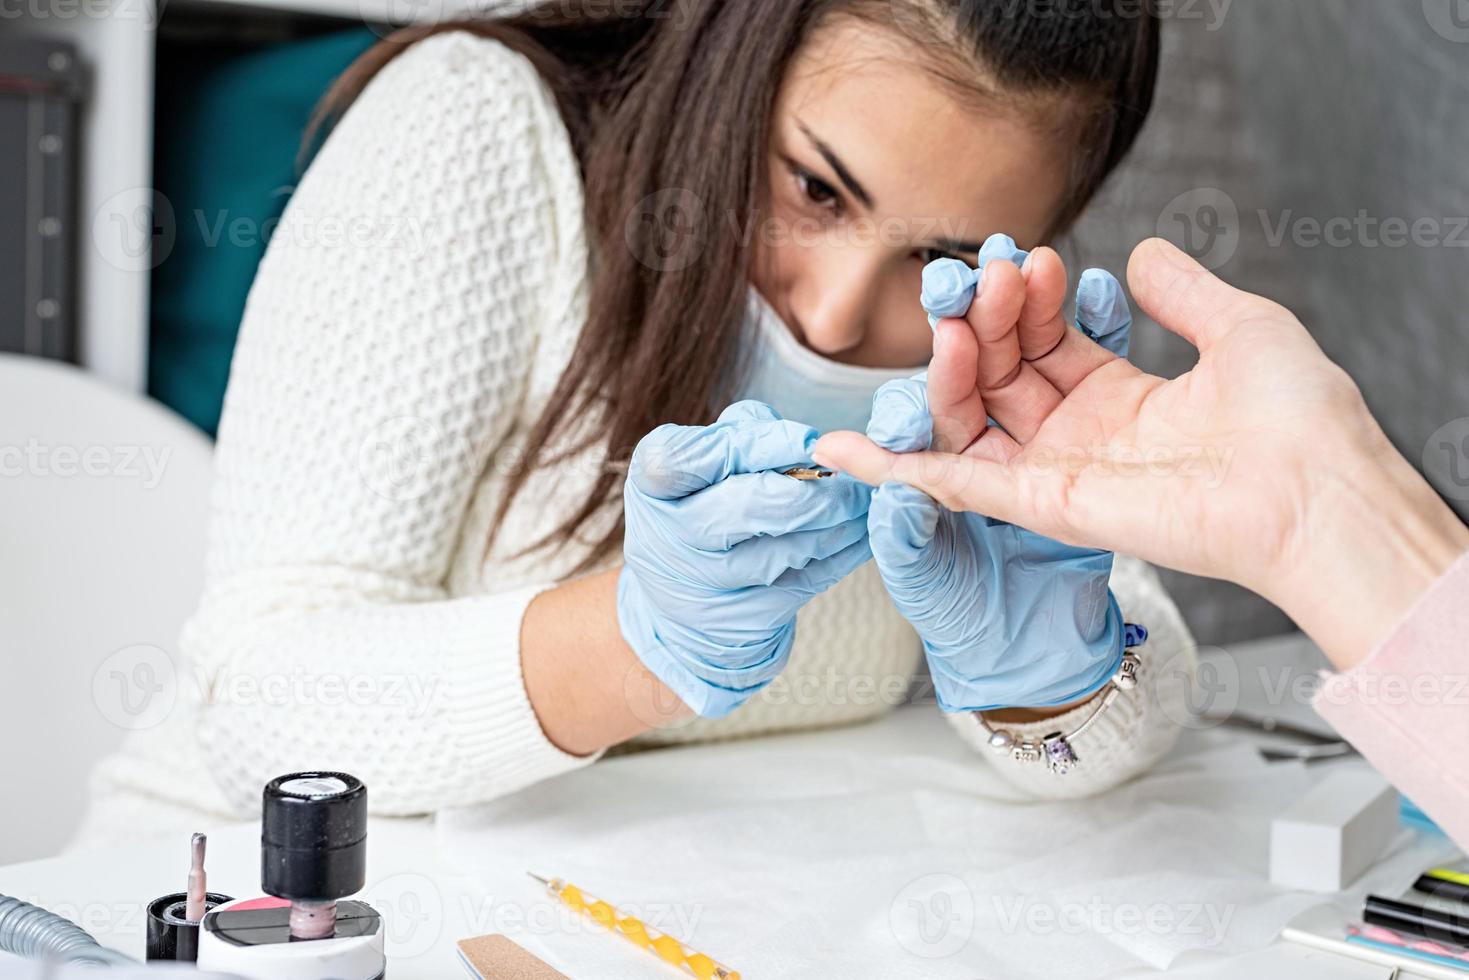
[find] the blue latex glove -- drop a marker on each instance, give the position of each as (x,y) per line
(1102,311)
(721,550)
(1007,618)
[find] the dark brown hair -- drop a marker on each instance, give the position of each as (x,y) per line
(668,104)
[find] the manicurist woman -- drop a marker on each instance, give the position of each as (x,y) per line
(500,475)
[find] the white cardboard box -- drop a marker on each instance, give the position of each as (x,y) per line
(1328,837)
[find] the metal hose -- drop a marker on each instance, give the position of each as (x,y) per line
(32,932)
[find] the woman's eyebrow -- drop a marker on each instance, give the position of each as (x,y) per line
(835,162)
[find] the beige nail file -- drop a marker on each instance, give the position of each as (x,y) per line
(499,958)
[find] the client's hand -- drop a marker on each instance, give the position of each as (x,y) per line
(721,550)
(1261,465)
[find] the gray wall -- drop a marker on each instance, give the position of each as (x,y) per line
(1316,109)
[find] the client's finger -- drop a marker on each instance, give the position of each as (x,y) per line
(964,483)
(1190,300)
(953,400)
(861,458)
(992,316)
(957,482)
(994,444)
(1061,355)
(1015,394)
(856,455)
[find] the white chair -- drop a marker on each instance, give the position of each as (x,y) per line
(103,502)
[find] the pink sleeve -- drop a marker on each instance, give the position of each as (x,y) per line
(1406,707)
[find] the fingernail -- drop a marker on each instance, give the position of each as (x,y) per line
(821,459)
(1025,266)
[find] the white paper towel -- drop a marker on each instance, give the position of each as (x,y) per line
(889,850)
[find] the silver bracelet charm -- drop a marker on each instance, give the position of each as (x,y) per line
(1055,749)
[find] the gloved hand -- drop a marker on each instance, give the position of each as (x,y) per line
(721,549)
(1008,618)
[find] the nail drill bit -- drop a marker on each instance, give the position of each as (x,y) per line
(196,891)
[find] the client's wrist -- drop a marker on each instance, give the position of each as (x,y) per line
(1032,740)
(1026,716)
(1372,539)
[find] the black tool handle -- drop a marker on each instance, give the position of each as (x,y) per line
(1441,927)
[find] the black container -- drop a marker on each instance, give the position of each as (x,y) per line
(313,836)
(170,935)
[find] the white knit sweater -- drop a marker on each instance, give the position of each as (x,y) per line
(418,301)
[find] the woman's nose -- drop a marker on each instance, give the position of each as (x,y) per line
(835,307)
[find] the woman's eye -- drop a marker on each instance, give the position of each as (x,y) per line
(927,255)
(817,191)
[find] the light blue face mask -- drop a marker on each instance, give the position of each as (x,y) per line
(802,385)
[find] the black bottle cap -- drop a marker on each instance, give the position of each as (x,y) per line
(171,936)
(313,836)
